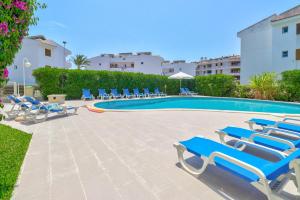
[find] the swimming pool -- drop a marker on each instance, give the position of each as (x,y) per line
(206,103)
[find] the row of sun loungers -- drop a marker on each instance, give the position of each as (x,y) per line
(114,94)
(32,110)
(281,139)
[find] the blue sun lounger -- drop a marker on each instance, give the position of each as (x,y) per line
(37,105)
(269,177)
(127,94)
(115,94)
(18,106)
(158,93)
(183,92)
(284,124)
(147,93)
(87,95)
(190,92)
(102,94)
(265,140)
(137,93)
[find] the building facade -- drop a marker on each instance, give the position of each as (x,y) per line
(143,62)
(40,52)
(271,45)
(170,68)
(230,65)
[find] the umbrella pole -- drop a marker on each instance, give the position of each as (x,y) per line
(180,84)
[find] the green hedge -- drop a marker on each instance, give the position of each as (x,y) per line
(71,82)
(215,85)
(290,85)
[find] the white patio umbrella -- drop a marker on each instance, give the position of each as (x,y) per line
(181,76)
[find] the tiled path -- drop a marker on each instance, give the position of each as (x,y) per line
(125,156)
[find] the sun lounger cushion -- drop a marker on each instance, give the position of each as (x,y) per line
(205,147)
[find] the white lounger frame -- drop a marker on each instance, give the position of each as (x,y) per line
(33,115)
(250,142)
(263,184)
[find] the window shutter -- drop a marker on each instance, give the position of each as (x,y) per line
(297,54)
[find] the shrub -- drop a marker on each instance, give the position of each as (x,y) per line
(264,86)
(243,91)
(215,85)
(290,85)
(71,82)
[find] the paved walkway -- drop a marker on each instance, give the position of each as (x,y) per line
(126,156)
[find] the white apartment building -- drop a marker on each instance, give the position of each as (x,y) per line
(143,62)
(40,52)
(170,68)
(271,45)
(230,65)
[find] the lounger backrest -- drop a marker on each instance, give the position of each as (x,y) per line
(14,99)
(146,91)
(86,92)
(32,100)
(136,91)
(114,91)
(283,166)
(102,92)
(126,91)
(182,90)
(156,91)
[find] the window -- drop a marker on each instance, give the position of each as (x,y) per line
(297,54)
(48,52)
(285,54)
(285,29)
(235,70)
(132,65)
(99,64)
(16,67)
(298,29)
(142,63)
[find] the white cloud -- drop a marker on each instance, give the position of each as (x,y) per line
(58,24)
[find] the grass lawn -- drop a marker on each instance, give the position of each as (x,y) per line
(13,147)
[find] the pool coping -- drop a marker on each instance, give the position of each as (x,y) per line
(197,96)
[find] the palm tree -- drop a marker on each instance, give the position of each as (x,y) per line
(264,86)
(80,61)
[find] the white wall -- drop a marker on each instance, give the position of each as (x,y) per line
(188,68)
(146,64)
(34,50)
(256,49)
(285,42)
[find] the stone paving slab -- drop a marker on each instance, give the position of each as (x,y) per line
(125,156)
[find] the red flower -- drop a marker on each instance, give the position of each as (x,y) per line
(20,4)
(3,28)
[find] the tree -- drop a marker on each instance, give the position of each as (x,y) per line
(264,86)
(15,18)
(80,61)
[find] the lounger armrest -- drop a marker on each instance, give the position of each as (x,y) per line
(237,162)
(270,130)
(290,119)
(290,144)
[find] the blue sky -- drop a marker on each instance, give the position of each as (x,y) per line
(174,29)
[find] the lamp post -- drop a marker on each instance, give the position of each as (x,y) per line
(64,42)
(27,64)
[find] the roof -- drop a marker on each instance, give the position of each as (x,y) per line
(42,39)
(288,14)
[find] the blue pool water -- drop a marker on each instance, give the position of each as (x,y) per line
(230,104)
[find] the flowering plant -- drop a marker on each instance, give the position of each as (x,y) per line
(15,18)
